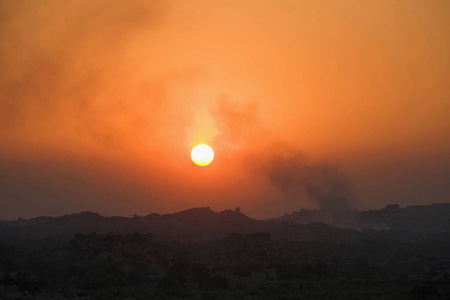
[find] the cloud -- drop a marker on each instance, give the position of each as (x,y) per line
(65,71)
(323,184)
(237,122)
(299,179)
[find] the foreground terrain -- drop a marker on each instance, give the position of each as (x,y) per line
(200,254)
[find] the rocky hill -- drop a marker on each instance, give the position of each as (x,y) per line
(203,223)
(192,224)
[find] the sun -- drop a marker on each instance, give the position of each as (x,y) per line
(202,155)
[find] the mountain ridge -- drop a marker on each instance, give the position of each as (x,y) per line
(204,223)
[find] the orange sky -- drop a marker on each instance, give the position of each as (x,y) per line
(307,104)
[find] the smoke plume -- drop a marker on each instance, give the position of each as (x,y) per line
(323,184)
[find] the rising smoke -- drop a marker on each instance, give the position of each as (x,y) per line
(323,184)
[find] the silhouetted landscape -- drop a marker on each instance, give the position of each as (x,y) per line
(317,131)
(392,253)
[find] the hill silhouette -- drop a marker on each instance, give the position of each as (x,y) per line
(419,218)
(202,254)
(203,223)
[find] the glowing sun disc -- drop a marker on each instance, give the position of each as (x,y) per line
(202,155)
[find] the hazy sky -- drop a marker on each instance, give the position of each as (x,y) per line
(307,104)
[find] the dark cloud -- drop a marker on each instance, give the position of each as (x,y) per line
(300,180)
(323,184)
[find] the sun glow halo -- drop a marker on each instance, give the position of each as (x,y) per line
(202,155)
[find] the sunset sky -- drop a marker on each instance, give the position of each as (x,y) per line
(307,104)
